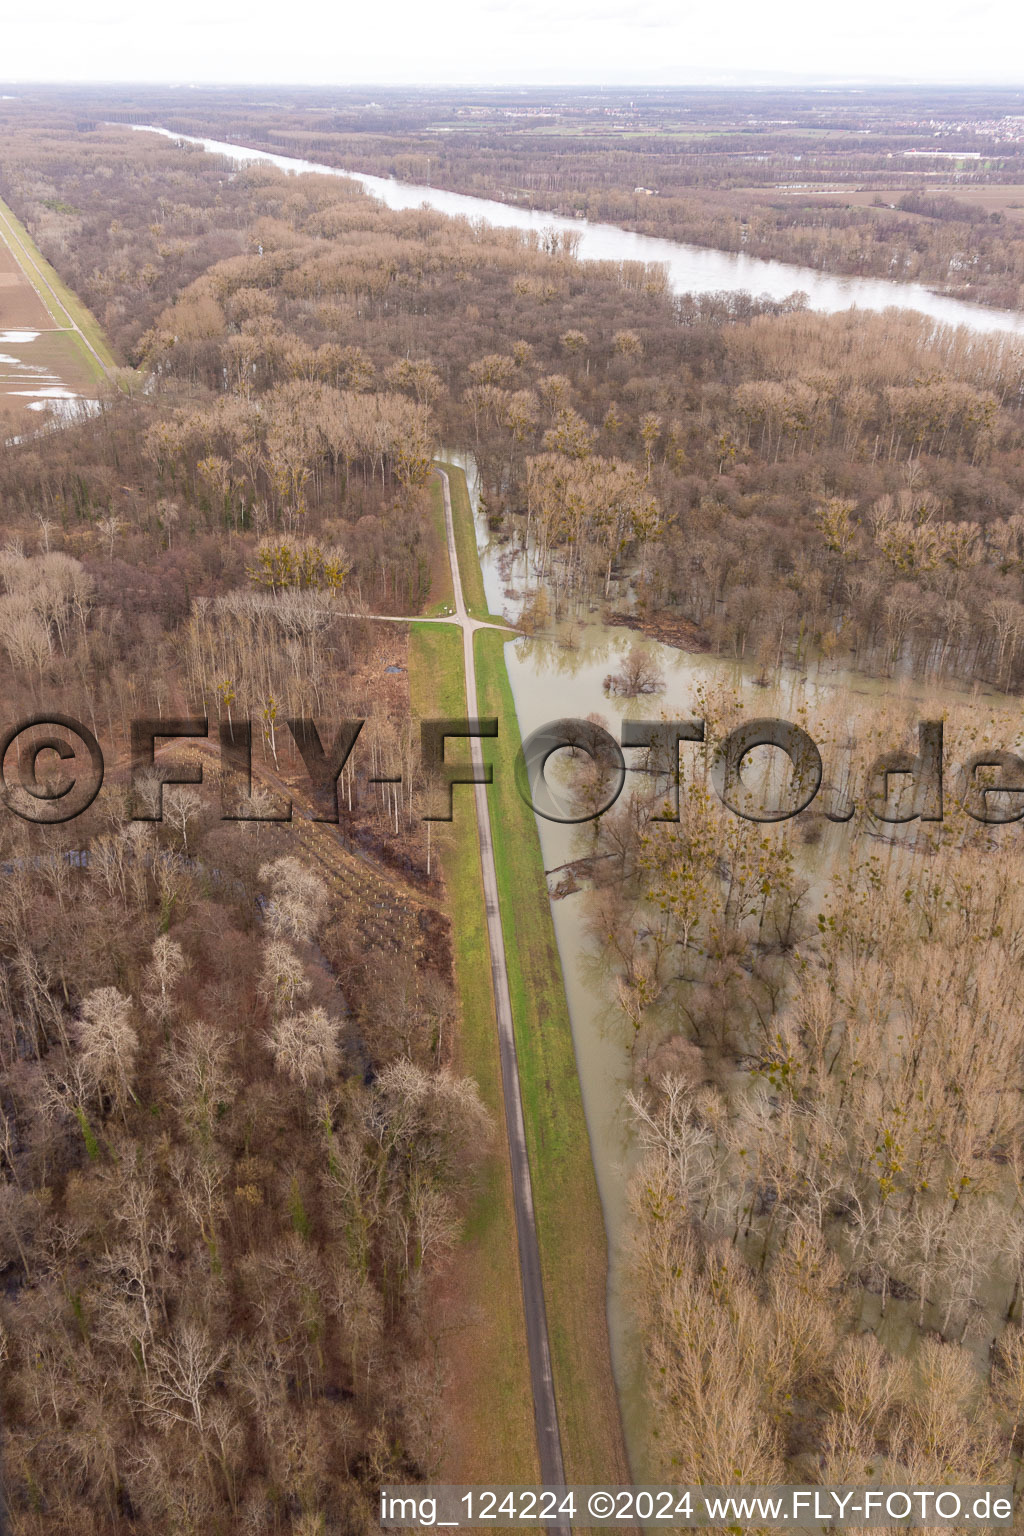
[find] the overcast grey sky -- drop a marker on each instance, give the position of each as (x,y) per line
(507,41)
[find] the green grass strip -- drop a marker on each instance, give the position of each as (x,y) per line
(442,593)
(465,544)
(570,1222)
(495,1436)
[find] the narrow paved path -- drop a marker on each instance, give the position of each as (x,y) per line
(549,1443)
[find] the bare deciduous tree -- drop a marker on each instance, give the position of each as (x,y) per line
(305,1047)
(108,1044)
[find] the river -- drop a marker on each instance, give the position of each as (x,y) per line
(691,268)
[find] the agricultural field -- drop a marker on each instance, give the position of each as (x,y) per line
(45,363)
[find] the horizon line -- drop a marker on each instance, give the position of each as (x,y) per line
(756,82)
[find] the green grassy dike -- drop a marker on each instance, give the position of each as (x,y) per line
(465,544)
(82,317)
(570,1223)
(442,593)
(494,1437)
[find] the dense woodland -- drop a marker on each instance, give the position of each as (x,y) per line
(236,1150)
(235,1147)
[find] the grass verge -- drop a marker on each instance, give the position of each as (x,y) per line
(442,593)
(61,302)
(570,1223)
(494,1436)
(465,544)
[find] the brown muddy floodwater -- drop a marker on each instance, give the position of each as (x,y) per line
(562,674)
